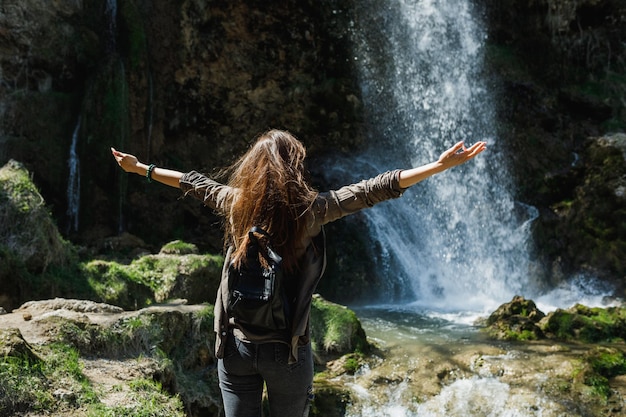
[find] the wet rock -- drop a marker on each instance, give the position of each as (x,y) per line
(586,324)
(516,320)
(590,226)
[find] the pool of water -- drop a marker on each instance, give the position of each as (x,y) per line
(429,366)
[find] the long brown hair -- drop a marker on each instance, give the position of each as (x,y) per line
(272,193)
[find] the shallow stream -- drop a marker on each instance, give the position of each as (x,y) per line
(431,367)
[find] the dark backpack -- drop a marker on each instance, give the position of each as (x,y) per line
(258,299)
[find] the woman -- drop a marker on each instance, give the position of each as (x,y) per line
(267,188)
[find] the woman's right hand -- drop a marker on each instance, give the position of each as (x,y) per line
(126,161)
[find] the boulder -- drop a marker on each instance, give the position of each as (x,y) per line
(27,231)
(516,320)
(335,330)
(586,324)
(13,344)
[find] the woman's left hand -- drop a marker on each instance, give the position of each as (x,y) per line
(459,154)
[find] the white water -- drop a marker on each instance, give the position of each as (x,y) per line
(486,378)
(484,397)
(459,242)
(73,183)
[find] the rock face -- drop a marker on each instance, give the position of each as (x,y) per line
(560,68)
(188,84)
(589,227)
(185,84)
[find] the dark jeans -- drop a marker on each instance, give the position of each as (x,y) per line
(247,365)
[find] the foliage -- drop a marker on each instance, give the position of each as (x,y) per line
(28,385)
(147,399)
(178,247)
(56,383)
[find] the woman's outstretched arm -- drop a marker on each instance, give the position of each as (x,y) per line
(130,163)
(456,155)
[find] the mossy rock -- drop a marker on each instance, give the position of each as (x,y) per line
(516,320)
(586,324)
(31,247)
(191,276)
(591,227)
(178,247)
(335,330)
(115,284)
(13,344)
(27,231)
(156,278)
(598,366)
(331,398)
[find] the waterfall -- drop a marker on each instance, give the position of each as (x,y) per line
(459,240)
(73,183)
(110,12)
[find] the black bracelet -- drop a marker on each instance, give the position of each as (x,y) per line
(149,172)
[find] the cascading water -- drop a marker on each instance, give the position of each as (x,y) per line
(458,240)
(73,184)
(110,13)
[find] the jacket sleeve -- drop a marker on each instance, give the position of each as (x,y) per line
(212,193)
(333,205)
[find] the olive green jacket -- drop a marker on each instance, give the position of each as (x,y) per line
(328,206)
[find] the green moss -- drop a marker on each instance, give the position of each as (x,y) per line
(336,329)
(204,318)
(523,335)
(178,247)
(331,398)
(598,366)
(27,229)
(608,362)
(147,398)
(150,278)
(131,336)
(353,362)
(588,324)
(28,385)
(117,284)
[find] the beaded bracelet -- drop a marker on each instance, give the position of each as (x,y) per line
(149,172)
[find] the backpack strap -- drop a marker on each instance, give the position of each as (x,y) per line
(270,251)
(257,229)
